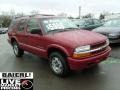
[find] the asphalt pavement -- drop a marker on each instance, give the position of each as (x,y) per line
(106,76)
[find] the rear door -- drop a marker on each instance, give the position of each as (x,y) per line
(20,31)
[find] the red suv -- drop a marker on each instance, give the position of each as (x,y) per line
(59,40)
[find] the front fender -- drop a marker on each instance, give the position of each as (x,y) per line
(59,47)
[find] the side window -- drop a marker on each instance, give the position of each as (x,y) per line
(33,25)
(21,25)
(89,22)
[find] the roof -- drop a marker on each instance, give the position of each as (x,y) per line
(38,16)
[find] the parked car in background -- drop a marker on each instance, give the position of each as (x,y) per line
(88,24)
(111,29)
(3,30)
(58,40)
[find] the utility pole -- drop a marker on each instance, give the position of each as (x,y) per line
(1,21)
(0,25)
(79,11)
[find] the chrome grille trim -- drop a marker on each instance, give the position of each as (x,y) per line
(97,49)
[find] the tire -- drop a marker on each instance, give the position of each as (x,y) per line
(17,51)
(58,64)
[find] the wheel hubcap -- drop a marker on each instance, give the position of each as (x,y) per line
(57,65)
(15,48)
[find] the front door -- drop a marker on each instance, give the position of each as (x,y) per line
(35,41)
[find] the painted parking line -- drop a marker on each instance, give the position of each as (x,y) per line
(111,61)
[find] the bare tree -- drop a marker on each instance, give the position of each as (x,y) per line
(20,14)
(12,13)
(34,12)
(5,19)
(102,16)
(89,15)
(62,14)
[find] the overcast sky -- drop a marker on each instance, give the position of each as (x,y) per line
(57,6)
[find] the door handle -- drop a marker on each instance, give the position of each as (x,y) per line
(26,35)
(13,34)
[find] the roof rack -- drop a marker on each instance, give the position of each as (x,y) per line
(19,17)
(33,15)
(41,15)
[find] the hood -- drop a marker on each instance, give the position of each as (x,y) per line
(77,38)
(107,29)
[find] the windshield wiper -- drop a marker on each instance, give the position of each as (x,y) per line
(56,30)
(71,28)
(61,30)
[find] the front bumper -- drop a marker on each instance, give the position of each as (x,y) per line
(9,41)
(112,41)
(79,64)
(2,32)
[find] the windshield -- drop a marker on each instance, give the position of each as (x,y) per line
(58,24)
(112,23)
(85,22)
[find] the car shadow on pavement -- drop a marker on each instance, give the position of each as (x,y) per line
(89,71)
(44,64)
(115,53)
(115,45)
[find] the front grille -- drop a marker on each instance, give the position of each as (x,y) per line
(98,51)
(97,48)
(98,45)
(105,34)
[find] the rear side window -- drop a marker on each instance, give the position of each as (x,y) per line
(13,24)
(21,25)
(89,22)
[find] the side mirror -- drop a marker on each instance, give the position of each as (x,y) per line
(78,25)
(85,24)
(36,31)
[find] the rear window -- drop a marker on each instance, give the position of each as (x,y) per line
(21,25)
(79,22)
(97,21)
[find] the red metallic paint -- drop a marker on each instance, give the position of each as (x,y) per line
(78,64)
(65,41)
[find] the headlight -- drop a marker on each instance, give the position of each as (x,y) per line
(107,42)
(114,35)
(80,51)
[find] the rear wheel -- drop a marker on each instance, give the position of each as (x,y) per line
(58,64)
(17,51)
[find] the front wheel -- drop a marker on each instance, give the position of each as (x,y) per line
(17,51)
(58,64)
